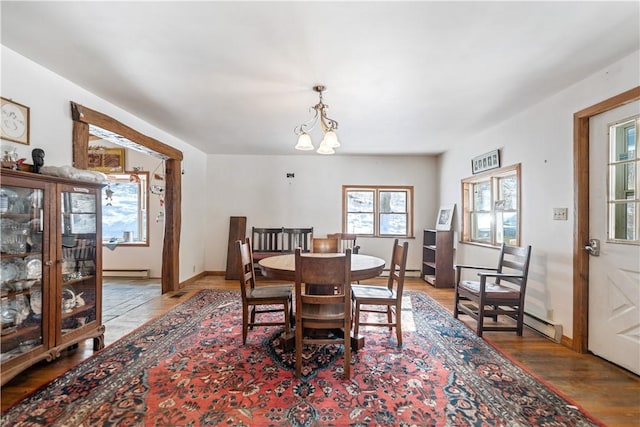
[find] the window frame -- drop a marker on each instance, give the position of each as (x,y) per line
(377,214)
(492,176)
(143,209)
(620,130)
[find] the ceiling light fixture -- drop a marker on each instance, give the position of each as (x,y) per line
(329,126)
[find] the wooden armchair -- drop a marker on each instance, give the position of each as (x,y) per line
(500,291)
(385,300)
(323,310)
(346,241)
(260,299)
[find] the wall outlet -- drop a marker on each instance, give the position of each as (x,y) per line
(560,214)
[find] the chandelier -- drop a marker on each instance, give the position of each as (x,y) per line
(329,126)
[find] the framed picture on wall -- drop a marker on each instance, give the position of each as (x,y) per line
(106,159)
(15,121)
(445,217)
(490,160)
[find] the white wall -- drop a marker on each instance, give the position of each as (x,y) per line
(257,187)
(541,139)
(48,96)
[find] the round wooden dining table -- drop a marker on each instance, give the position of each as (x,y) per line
(283,267)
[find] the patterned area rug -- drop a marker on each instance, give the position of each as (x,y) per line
(189,368)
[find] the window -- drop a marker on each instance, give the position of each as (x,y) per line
(623,198)
(491,207)
(378,211)
(124,209)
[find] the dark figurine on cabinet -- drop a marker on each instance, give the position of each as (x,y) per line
(38,159)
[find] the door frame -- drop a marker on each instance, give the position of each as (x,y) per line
(581,212)
(82,118)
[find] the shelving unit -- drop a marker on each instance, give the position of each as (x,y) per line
(437,258)
(51,275)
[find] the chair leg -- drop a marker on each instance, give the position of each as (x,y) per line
(399,324)
(389,319)
(245,323)
(253,316)
(287,319)
(356,319)
(298,349)
(456,301)
(520,321)
(347,350)
(480,319)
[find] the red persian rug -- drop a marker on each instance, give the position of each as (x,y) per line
(189,368)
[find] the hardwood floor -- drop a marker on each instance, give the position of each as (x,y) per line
(608,392)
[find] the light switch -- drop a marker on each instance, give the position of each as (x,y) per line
(560,214)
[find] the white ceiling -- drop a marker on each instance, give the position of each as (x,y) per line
(401,77)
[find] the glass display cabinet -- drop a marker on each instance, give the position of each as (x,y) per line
(50,275)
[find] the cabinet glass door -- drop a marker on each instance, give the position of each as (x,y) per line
(23,226)
(78,240)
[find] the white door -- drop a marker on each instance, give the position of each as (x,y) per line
(614,275)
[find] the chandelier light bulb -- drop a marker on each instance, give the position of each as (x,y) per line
(325,148)
(304,142)
(331,139)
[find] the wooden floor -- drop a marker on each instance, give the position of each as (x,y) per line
(609,393)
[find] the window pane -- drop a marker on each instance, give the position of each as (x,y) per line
(393,201)
(507,228)
(124,214)
(360,223)
(481,227)
(482,196)
(394,224)
(360,201)
(509,192)
(623,222)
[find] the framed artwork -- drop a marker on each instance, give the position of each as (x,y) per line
(490,160)
(83,203)
(108,160)
(83,223)
(445,217)
(15,121)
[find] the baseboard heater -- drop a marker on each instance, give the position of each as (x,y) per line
(547,328)
(137,274)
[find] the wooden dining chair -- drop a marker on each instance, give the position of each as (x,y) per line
(326,311)
(325,245)
(345,241)
(261,299)
(383,299)
(500,291)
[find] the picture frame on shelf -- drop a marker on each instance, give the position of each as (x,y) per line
(15,121)
(107,160)
(445,217)
(485,162)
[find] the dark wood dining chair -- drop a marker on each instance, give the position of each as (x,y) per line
(345,241)
(326,311)
(261,299)
(500,291)
(325,245)
(383,299)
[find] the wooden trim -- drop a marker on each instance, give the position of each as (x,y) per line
(84,116)
(173,219)
(80,113)
(581,212)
